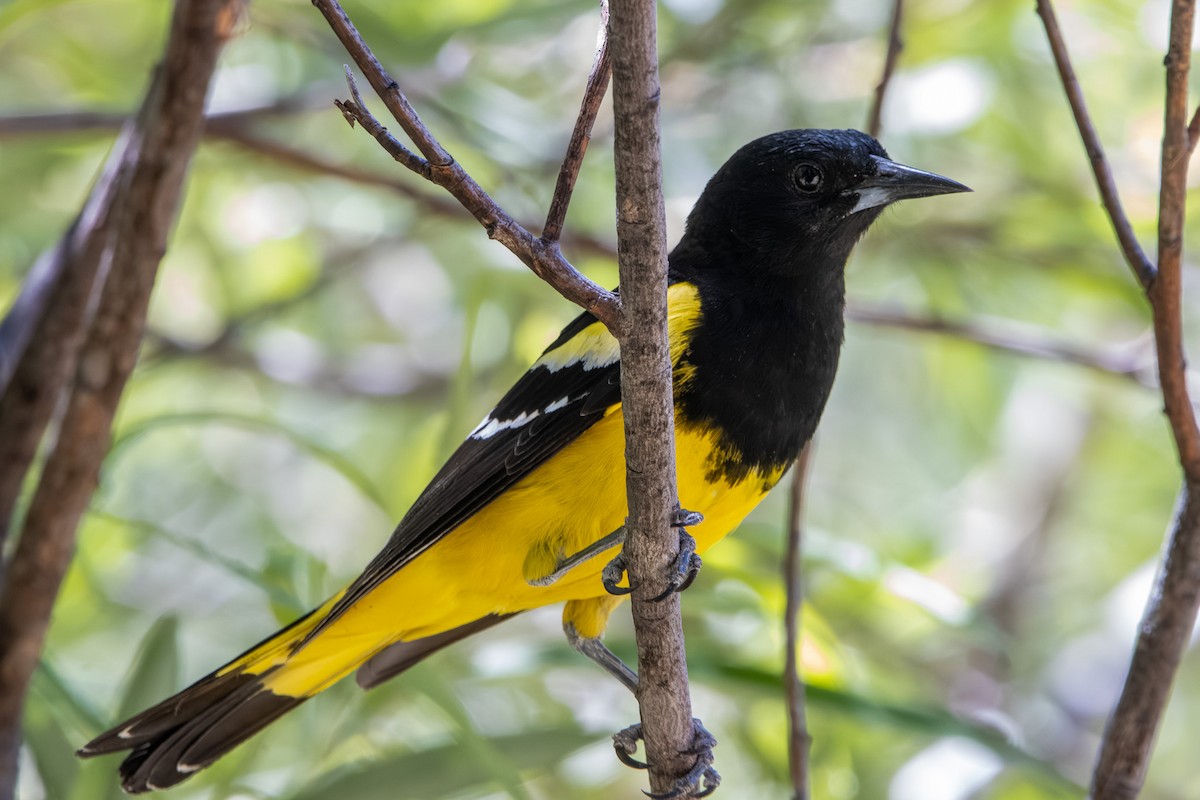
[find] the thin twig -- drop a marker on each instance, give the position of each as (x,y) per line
(235,128)
(1142,267)
(1174,599)
(793,581)
(1193,131)
(1128,363)
(593,96)
(895,45)
(437,166)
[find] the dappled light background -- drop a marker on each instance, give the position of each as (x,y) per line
(982,525)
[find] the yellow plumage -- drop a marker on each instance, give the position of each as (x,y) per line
(486,565)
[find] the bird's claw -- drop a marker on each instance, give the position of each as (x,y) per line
(683,569)
(613,572)
(702,776)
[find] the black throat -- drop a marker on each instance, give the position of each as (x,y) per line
(763,357)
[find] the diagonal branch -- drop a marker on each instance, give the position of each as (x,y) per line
(1142,267)
(895,45)
(163,140)
(436,165)
(593,95)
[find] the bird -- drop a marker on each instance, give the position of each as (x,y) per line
(529,510)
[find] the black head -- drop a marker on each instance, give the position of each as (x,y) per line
(796,200)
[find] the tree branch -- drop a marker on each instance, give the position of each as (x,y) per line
(793,581)
(593,96)
(1010,339)
(1142,268)
(41,336)
(1171,609)
(895,45)
(647,405)
(166,134)
(436,165)
(1167,290)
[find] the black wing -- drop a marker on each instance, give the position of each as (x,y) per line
(562,395)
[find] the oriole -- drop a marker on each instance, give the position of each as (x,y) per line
(512,521)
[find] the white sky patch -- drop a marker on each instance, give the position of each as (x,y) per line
(942,98)
(490,427)
(930,595)
(951,769)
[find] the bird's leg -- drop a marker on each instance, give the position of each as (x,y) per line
(595,649)
(683,569)
(568,563)
(625,743)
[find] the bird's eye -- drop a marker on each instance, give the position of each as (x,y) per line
(808,178)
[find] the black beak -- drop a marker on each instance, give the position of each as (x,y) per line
(897,182)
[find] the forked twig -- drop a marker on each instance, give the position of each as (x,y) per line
(1170,613)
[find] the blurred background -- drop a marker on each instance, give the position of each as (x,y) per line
(982,523)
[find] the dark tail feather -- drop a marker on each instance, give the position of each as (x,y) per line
(188,732)
(394,659)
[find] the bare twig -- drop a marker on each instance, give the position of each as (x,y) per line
(436,165)
(647,407)
(798,738)
(235,127)
(1171,609)
(1006,337)
(593,95)
(895,45)
(1142,267)
(167,132)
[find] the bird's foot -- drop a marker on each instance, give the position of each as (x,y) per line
(683,569)
(700,781)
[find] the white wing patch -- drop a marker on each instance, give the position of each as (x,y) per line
(557,404)
(490,427)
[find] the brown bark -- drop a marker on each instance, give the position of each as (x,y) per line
(165,136)
(1170,614)
(646,393)
(799,740)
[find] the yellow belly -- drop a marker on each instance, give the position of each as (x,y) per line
(575,498)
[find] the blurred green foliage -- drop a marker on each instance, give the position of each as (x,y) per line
(982,526)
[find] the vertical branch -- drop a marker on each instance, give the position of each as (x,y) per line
(1171,609)
(646,393)
(895,45)
(798,738)
(167,132)
(1166,293)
